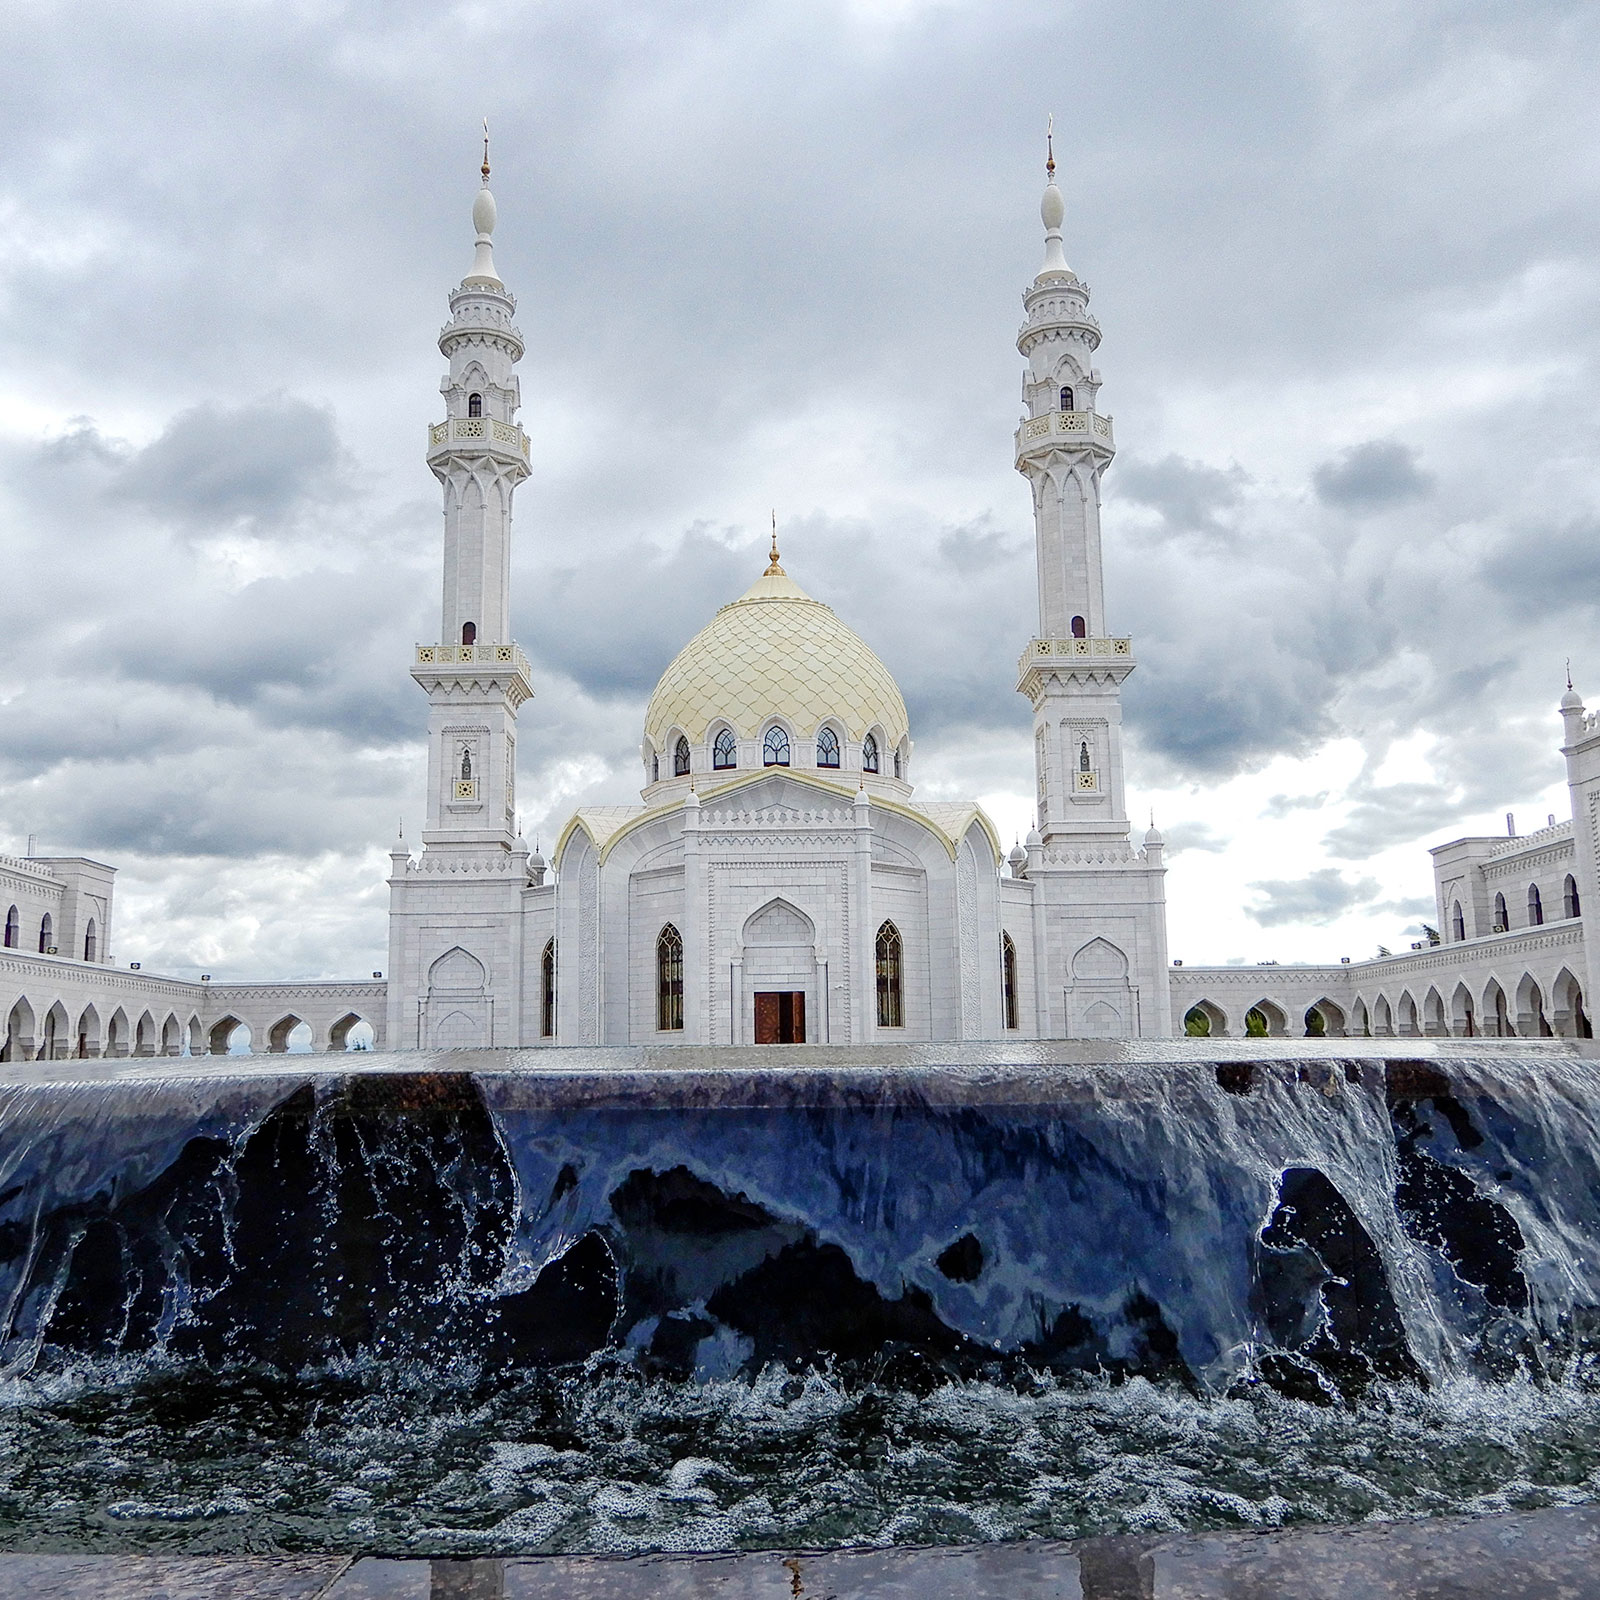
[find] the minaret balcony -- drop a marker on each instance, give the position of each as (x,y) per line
(475,435)
(1069,430)
(453,666)
(1096,658)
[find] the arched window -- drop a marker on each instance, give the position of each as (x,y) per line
(655,769)
(466,766)
(827,748)
(12,927)
(680,758)
(1080,628)
(1066,398)
(91,947)
(725,752)
(775,748)
(1008,980)
(669,980)
(1569,898)
(1458,923)
(474,406)
(891,1002)
(1083,755)
(1535,906)
(1502,918)
(547,991)
(897,763)
(869,753)
(46,931)
(469,633)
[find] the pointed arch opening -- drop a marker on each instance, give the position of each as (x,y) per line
(891,990)
(91,942)
(1463,1015)
(669,980)
(1205,1020)
(1458,923)
(1502,917)
(1535,907)
(680,758)
(775,747)
(827,748)
(1570,904)
(1008,981)
(13,928)
(47,933)
(869,753)
(547,991)
(725,751)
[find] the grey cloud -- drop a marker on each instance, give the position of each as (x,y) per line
(1190,496)
(1391,814)
(215,467)
(1281,805)
(1368,476)
(1537,571)
(1319,897)
(1201,836)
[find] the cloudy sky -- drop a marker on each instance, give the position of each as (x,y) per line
(1344,258)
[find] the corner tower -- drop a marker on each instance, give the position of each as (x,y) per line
(1072,670)
(475,677)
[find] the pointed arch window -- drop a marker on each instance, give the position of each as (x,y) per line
(680,758)
(91,946)
(1535,906)
(891,998)
(13,925)
(474,405)
(869,753)
(827,748)
(547,991)
(1569,898)
(725,752)
(775,748)
(897,763)
(1502,918)
(1008,980)
(1458,923)
(669,980)
(1083,755)
(46,930)
(655,769)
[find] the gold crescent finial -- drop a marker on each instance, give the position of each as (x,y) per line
(773,569)
(485,149)
(1049,145)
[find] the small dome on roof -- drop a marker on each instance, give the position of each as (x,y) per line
(776,652)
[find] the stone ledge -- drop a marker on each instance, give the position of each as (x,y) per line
(1534,1555)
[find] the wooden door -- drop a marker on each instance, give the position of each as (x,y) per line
(768,1018)
(792,1018)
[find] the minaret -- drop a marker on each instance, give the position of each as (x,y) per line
(1072,671)
(476,677)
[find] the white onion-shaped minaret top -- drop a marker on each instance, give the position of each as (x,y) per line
(1052,212)
(483,219)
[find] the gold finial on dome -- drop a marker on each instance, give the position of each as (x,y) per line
(485,149)
(1049,144)
(773,569)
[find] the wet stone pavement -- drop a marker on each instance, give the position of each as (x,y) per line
(1534,1555)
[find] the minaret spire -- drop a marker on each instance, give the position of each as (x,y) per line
(773,569)
(483,219)
(1052,212)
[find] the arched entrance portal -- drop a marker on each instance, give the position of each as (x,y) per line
(781,978)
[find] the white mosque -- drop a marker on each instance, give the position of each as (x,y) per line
(778,881)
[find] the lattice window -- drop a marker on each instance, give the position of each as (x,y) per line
(725,752)
(669,980)
(827,748)
(869,753)
(680,758)
(1008,979)
(775,748)
(891,997)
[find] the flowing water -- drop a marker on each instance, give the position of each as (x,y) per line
(424,1311)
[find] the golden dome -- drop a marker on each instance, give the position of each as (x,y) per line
(775,652)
